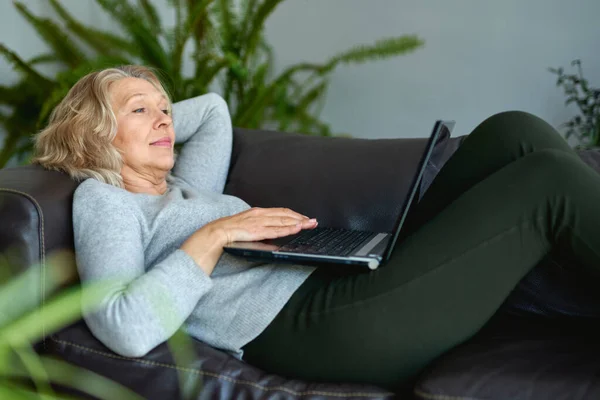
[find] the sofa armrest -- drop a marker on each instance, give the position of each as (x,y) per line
(35,210)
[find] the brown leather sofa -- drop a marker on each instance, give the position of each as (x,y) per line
(518,355)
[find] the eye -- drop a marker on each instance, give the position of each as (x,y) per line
(166,112)
(139,110)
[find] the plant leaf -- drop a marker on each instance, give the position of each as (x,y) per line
(213,70)
(381,49)
(63,309)
(253,38)
(100,41)
(243,115)
(196,16)
(248,11)
(154,22)
(81,379)
(54,36)
(226,25)
(150,49)
(21,66)
(9,390)
(311,96)
(43,59)
(32,364)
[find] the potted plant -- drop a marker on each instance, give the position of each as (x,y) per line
(585,126)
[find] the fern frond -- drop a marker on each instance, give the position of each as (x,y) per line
(100,41)
(382,49)
(9,95)
(261,62)
(9,146)
(196,17)
(54,36)
(6,93)
(21,66)
(259,77)
(150,49)
(252,40)
(20,94)
(213,70)
(154,22)
(177,4)
(290,105)
(106,43)
(43,59)
(311,96)
(256,105)
(197,22)
(311,125)
(248,10)
(267,93)
(51,102)
(225,15)
(202,60)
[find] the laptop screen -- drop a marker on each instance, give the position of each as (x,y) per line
(438,129)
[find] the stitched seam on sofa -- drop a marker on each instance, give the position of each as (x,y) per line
(436,269)
(432,396)
(42,250)
(224,377)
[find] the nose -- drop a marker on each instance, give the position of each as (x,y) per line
(162,120)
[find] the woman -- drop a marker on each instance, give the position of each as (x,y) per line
(513,191)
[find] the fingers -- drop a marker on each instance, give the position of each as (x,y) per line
(286,221)
(278,212)
(281,231)
(276,227)
(269,223)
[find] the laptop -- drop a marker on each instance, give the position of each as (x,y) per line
(324,245)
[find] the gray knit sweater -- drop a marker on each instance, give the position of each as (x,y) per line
(132,241)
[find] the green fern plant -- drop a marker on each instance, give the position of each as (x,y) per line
(228,49)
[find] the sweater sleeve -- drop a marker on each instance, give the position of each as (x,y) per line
(139,307)
(203,125)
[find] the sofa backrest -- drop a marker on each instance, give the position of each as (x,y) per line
(343,182)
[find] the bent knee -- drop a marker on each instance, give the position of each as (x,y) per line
(514,117)
(520,131)
(554,166)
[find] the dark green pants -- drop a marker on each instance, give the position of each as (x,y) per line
(513,191)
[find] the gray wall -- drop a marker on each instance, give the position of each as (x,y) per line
(480,57)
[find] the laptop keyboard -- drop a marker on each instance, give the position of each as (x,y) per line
(326,241)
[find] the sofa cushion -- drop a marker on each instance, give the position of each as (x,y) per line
(520,358)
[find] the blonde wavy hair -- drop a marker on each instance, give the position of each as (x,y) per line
(79,137)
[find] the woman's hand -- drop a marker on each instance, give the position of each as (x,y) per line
(262,223)
(205,246)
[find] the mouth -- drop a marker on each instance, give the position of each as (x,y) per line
(162,142)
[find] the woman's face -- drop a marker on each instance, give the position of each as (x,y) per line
(145,134)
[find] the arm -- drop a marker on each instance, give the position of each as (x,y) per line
(138,309)
(203,124)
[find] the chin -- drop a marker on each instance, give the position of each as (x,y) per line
(169,166)
(164,165)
